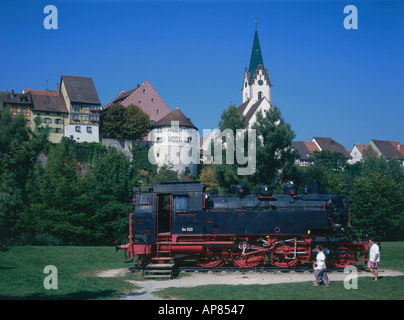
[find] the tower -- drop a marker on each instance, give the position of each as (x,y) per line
(256,84)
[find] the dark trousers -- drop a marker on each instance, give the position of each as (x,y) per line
(321,275)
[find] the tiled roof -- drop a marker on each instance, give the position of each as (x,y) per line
(50,101)
(311,146)
(388,149)
(242,107)
(80,89)
(18,98)
(175,115)
(331,145)
(252,110)
(302,148)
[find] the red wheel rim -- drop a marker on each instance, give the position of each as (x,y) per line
(279,257)
(344,258)
(209,260)
(247,261)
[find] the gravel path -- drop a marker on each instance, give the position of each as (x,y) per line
(231,278)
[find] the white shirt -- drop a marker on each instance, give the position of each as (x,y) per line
(373,251)
(320,261)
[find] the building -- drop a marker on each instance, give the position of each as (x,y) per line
(175,141)
(256,89)
(18,103)
(360,151)
(145,97)
(330,145)
(306,150)
(83,105)
(388,149)
(50,108)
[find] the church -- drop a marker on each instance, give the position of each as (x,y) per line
(256,85)
(256,95)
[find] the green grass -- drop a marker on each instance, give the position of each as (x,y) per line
(392,255)
(22,277)
(386,288)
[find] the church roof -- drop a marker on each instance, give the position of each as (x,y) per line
(253,110)
(175,115)
(242,107)
(256,56)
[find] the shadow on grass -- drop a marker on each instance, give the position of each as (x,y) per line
(80,295)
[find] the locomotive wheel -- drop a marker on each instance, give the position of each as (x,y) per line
(344,258)
(278,257)
(247,261)
(209,260)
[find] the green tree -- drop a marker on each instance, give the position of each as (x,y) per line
(129,122)
(275,156)
(226,173)
(19,149)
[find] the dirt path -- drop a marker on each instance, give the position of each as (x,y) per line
(234,278)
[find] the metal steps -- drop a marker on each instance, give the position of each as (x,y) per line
(158,271)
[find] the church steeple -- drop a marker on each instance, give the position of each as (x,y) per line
(256,55)
(256,84)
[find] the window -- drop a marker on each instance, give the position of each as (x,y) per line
(157,154)
(89,129)
(58,130)
(51,130)
(152,99)
(140,103)
(157,111)
(48,120)
(24,110)
(260,95)
(189,139)
(47,112)
(58,121)
(78,129)
(144,90)
(180,204)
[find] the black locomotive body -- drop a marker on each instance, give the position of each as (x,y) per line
(179,221)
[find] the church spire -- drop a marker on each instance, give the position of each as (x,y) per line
(256,55)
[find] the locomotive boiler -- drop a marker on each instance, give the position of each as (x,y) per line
(179,221)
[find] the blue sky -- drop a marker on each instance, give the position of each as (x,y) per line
(328,81)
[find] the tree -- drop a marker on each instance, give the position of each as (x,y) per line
(19,149)
(226,173)
(137,123)
(129,122)
(207,177)
(275,156)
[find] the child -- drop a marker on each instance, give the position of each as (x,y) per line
(320,268)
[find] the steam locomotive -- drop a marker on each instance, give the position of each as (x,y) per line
(179,221)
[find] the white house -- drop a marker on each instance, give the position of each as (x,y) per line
(176,141)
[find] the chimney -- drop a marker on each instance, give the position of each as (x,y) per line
(57,87)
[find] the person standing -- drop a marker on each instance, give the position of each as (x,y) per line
(320,268)
(374,259)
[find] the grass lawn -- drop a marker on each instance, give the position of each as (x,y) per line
(389,288)
(22,277)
